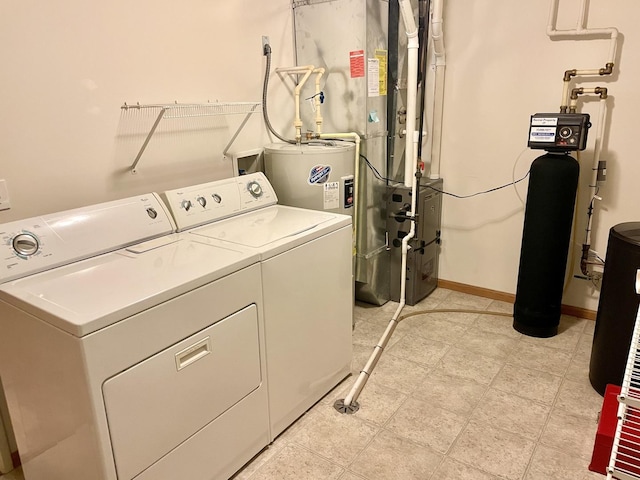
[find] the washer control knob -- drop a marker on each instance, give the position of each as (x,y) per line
(202,201)
(216,198)
(255,189)
(25,244)
(186,204)
(152,212)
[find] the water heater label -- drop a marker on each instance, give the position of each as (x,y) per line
(331,195)
(542,134)
(319,174)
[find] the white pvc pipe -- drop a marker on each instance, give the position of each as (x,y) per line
(306,70)
(596,159)
(410,159)
(581,31)
(437,36)
(356,175)
(319,72)
(412,87)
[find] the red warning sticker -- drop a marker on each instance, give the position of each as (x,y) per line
(356,63)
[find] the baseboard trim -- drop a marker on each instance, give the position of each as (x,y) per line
(15,458)
(509,297)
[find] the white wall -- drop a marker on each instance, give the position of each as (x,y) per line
(501,68)
(68,67)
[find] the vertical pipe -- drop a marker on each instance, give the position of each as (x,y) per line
(412,87)
(437,36)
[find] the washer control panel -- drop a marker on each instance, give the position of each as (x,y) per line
(208,202)
(40,243)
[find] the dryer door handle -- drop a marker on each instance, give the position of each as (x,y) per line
(192,354)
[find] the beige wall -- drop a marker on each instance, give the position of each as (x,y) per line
(501,68)
(68,67)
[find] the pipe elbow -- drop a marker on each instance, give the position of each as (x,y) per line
(607,70)
(575,92)
(602,91)
(568,74)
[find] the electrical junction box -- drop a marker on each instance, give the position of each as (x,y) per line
(559,132)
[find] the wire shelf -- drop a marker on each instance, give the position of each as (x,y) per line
(624,463)
(193,110)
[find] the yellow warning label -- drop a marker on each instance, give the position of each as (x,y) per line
(381,55)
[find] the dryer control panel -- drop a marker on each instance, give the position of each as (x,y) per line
(208,202)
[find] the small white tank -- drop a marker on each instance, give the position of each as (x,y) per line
(318,177)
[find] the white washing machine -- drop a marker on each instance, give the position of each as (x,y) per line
(128,351)
(307,284)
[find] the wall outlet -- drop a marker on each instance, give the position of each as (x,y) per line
(5,203)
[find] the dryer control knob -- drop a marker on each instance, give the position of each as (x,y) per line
(186,204)
(216,198)
(255,189)
(25,244)
(202,201)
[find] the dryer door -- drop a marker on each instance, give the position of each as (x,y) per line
(159,403)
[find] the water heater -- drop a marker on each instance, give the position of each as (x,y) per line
(314,176)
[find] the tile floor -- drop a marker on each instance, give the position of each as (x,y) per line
(456,396)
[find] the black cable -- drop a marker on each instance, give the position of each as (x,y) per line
(377,174)
(480,193)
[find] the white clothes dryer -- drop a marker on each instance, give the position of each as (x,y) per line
(307,282)
(128,351)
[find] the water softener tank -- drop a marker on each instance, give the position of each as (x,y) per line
(314,176)
(546,235)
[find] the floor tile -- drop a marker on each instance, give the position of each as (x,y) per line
(463,318)
(351,476)
(500,306)
(512,413)
(469,365)
(259,460)
(487,343)
(433,327)
(589,327)
(453,470)
(579,366)
(294,462)
(418,349)
(469,301)
(398,374)
(569,332)
(427,424)
(335,436)
(497,324)
(369,334)
(537,356)
(390,457)
(551,463)
(377,403)
(570,434)
(458,395)
(493,451)
(13,475)
(532,384)
(580,398)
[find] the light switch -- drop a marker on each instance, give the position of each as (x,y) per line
(5,203)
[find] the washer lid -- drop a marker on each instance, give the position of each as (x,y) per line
(273,229)
(86,296)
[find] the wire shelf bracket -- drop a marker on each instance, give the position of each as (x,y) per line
(190,110)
